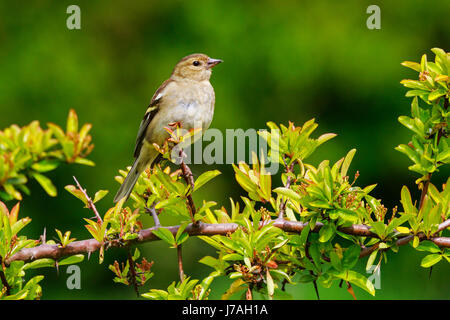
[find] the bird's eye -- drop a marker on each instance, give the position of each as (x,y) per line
(196,63)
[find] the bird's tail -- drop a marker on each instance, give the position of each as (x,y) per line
(139,165)
(129,182)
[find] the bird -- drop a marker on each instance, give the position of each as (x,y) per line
(187,98)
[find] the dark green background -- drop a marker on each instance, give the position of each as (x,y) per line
(284,60)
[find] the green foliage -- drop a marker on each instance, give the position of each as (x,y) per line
(313,226)
(428,149)
(13,285)
(31,151)
(142,271)
(65,239)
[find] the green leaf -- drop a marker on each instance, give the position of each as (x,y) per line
(429,246)
(415,242)
(45,183)
(77,193)
(40,263)
(291,194)
(357,279)
(326,232)
(99,195)
(406,201)
(181,236)
(270,284)
(351,256)
(71,260)
(444,156)
(165,234)
(72,122)
(85,162)
(236,286)
(204,178)
(412,65)
(379,228)
(325,137)
(45,165)
(335,260)
(436,94)
(430,260)
(347,161)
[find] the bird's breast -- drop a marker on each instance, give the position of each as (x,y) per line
(190,104)
(194,106)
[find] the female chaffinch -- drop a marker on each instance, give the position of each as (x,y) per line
(187,98)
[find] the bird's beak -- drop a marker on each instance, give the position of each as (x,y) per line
(213,62)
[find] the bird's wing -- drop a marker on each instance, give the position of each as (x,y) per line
(152,110)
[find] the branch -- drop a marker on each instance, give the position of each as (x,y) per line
(180,262)
(444,225)
(198,229)
(189,178)
(154,214)
(424,190)
(3,279)
(133,272)
(288,185)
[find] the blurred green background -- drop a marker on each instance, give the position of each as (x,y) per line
(284,60)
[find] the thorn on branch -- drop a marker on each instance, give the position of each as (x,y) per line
(350,290)
(43,237)
(248,294)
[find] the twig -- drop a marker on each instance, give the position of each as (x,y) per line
(91,204)
(133,272)
(425,185)
(180,262)
(3,278)
(288,185)
(316,288)
(154,214)
(189,178)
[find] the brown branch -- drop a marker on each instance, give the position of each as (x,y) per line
(3,278)
(133,272)
(89,200)
(288,185)
(199,229)
(425,185)
(180,262)
(154,214)
(189,178)
(444,225)
(440,241)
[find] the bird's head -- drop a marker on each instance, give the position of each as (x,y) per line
(195,67)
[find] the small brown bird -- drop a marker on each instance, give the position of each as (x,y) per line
(187,98)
